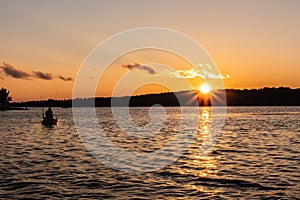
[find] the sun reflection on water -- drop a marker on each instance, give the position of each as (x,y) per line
(201,165)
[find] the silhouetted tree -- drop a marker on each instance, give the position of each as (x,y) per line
(4,98)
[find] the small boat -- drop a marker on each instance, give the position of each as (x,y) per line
(49,122)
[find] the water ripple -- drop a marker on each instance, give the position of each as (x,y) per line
(257,157)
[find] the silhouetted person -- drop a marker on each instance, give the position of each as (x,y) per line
(49,113)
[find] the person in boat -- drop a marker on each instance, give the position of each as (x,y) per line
(49,114)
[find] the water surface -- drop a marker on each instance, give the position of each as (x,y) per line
(256,157)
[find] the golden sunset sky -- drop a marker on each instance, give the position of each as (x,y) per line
(253,43)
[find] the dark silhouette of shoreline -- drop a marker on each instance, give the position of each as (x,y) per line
(282,96)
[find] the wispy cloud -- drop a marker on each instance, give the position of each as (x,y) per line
(14,72)
(10,70)
(140,67)
(198,70)
(201,71)
(41,75)
(65,78)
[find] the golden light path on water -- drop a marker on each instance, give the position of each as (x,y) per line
(201,166)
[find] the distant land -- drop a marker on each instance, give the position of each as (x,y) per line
(282,96)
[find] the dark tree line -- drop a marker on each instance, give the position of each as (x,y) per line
(281,96)
(255,97)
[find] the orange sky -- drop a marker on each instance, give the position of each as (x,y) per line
(255,42)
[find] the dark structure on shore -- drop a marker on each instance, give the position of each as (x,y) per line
(4,99)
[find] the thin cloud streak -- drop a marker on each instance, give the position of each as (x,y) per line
(140,67)
(198,71)
(44,76)
(12,71)
(201,71)
(65,78)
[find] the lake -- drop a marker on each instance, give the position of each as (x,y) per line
(256,155)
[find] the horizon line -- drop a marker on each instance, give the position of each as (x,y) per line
(158,93)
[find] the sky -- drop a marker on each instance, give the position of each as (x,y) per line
(253,44)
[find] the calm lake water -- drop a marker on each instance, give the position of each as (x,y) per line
(257,156)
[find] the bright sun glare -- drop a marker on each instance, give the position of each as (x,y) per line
(204,88)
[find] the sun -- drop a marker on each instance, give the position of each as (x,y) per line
(204,88)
